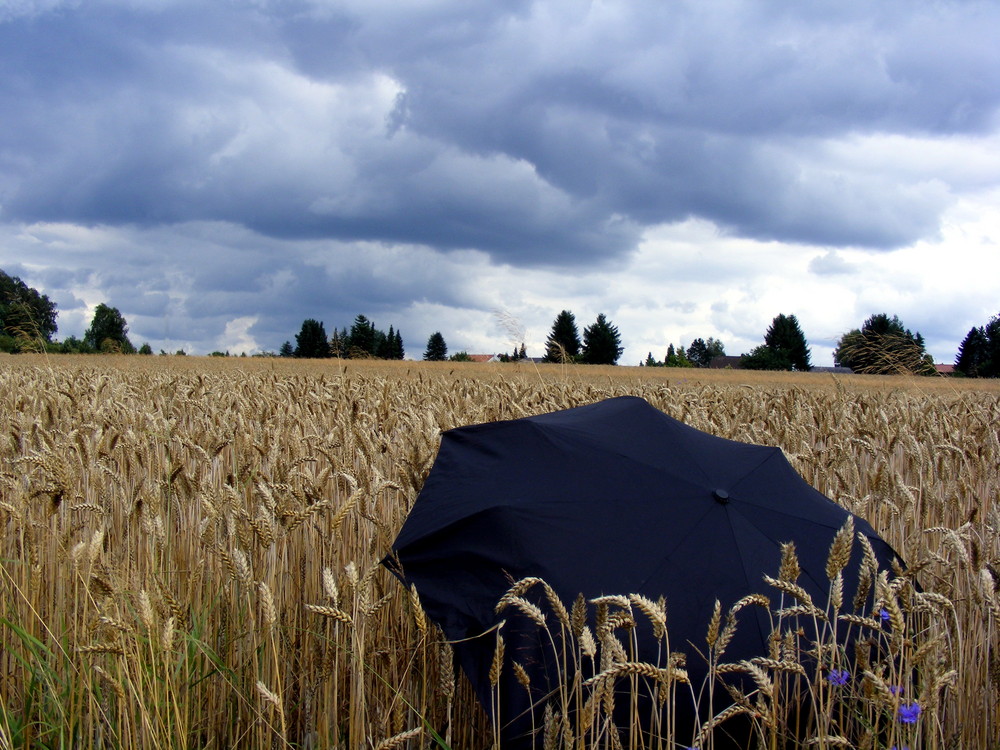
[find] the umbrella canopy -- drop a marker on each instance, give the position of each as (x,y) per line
(610,498)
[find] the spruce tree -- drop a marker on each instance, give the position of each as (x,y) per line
(338,343)
(702,352)
(787,342)
(697,353)
(361,339)
(991,369)
(601,343)
(382,347)
(973,353)
(563,343)
(311,341)
(437,350)
(676,357)
(397,347)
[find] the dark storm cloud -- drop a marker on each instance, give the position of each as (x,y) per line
(668,113)
(181,286)
(541,133)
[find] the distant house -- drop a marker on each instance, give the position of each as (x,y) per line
(733,363)
(725,362)
(484,357)
(945,369)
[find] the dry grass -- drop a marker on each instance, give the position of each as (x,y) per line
(189,546)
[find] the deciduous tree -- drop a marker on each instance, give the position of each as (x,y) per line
(25,313)
(883,346)
(702,352)
(108,332)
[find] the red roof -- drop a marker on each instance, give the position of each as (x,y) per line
(481,357)
(945,369)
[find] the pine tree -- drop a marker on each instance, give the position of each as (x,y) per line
(676,358)
(992,330)
(563,343)
(361,339)
(338,343)
(383,344)
(979,353)
(973,353)
(702,352)
(601,343)
(311,341)
(785,339)
(437,350)
(697,353)
(397,347)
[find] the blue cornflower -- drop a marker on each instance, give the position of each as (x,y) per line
(896,689)
(904,747)
(839,676)
(884,614)
(909,713)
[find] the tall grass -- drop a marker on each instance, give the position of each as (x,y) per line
(189,547)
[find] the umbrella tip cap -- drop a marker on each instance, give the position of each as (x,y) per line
(721,496)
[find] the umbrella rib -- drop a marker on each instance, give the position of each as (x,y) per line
(584,437)
(669,554)
(746,573)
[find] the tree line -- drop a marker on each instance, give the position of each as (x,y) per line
(979,352)
(600,345)
(362,341)
(881,345)
(28,324)
(784,347)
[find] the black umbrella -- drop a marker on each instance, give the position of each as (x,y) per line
(610,498)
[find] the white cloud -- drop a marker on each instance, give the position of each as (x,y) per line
(831,262)
(236,338)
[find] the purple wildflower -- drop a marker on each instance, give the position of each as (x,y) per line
(839,676)
(896,689)
(909,713)
(884,614)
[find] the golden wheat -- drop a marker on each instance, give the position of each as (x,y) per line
(189,546)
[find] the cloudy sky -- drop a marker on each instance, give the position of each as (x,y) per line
(221,170)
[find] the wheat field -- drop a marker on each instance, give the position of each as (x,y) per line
(189,546)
